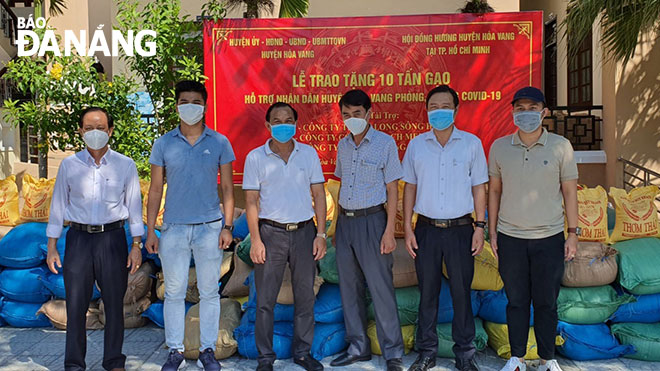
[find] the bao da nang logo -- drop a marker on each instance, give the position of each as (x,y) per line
(29,43)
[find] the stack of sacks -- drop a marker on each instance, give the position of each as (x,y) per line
(21,279)
(226,345)
(329,330)
(138,297)
(586,300)
(55,310)
(636,235)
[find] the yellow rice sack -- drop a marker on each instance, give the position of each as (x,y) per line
(398,225)
(592,214)
(332,186)
(486,272)
(37,194)
(9,201)
(498,339)
(407,331)
(144,188)
(636,213)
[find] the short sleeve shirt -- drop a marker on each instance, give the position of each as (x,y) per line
(531,204)
(445,175)
(192,174)
(284,187)
(366,169)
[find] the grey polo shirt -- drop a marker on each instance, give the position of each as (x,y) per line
(284,187)
(531,205)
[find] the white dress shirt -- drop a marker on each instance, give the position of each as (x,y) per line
(445,175)
(88,193)
(284,188)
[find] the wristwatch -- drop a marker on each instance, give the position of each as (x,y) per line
(322,235)
(480,224)
(138,245)
(230,228)
(576,230)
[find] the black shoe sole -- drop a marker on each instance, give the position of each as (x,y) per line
(343,364)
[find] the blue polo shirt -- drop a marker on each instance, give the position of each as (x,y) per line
(191,172)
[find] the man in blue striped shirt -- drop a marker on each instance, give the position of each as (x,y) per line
(369,168)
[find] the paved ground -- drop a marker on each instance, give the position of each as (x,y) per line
(43,349)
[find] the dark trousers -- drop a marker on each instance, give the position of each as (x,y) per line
(359,260)
(296,248)
(454,245)
(532,271)
(99,257)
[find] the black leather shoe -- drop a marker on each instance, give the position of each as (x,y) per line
(265,366)
(423,363)
(466,365)
(346,359)
(395,364)
(308,363)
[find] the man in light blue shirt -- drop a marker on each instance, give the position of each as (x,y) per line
(190,156)
(446,174)
(369,168)
(280,179)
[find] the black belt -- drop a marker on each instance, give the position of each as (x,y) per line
(212,221)
(447,223)
(89,228)
(289,227)
(363,212)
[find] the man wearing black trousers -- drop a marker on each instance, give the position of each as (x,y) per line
(445,173)
(97,191)
(533,174)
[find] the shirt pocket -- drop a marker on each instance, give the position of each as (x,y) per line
(369,169)
(113,190)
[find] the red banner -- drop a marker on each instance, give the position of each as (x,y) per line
(311,62)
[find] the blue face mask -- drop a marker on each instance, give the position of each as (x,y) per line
(527,121)
(283,132)
(441,119)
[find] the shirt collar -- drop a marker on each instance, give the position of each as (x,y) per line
(455,135)
(543,139)
(89,160)
(368,137)
(177,132)
(270,151)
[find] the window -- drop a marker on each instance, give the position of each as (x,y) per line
(550,62)
(580,86)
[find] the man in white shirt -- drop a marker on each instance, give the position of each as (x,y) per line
(445,173)
(279,180)
(97,191)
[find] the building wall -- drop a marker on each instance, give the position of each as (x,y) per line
(349,8)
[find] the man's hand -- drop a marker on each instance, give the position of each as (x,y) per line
(225,239)
(477,241)
(134,259)
(320,248)
(570,247)
(411,242)
(258,252)
(387,242)
(53,259)
(493,244)
(152,242)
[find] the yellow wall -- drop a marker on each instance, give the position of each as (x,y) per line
(348,8)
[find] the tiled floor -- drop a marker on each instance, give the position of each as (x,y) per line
(43,349)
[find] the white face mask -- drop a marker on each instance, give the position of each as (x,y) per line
(355,125)
(96,139)
(191,114)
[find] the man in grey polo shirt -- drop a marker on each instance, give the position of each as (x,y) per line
(531,173)
(368,166)
(191,155)
(446,174)
(277,180)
